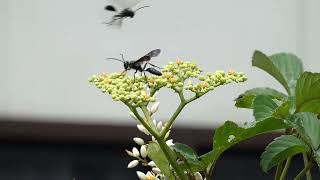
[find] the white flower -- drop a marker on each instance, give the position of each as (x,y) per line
(159,126)
(170,142)
(143,151)
(151,176)
(154,122)
(152,164)
(156,170)
(198,176)
(133,164)
(148,176)
(135,152)
(154,107)
(130,153)
(143,129)
(139,141)
(141,175)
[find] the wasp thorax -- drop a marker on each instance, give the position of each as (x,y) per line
(128,13)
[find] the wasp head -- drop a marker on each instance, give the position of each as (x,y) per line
(126,65)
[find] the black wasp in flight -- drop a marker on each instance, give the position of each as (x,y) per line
(122,9)
(141,64)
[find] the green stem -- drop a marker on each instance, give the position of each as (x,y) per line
(160,140)
(144,123)
(148,117)
(306,162)
(209,173)
(183,102)
(172,119)
(170,156)
(285,169)
(304,171)
(278,172)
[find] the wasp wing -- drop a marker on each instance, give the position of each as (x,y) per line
(153,53)
(124,4)
(117,23)
(142,60)
(146,58)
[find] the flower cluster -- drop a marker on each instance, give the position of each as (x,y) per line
(134,91)
(123,88)
(210,81)
(174,75)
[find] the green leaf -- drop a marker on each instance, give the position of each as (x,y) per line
(284,67)
(263,107)
(280,149)
(308,126)
(157,156)
(282,112)
(186,153)
(308,93)
(245,99)
(230,134)
(317,157)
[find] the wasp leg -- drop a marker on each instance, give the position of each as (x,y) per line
(144,66)
(155,66)
(112,21)
(144,73)
(134,75)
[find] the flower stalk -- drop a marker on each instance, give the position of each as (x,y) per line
(285,169)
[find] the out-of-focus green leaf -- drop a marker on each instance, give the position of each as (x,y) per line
(245,99)
(157,156)
(283,110)
(189,157)
(263,107)
(284,67)
(308,93)
(308,126)
(280,149)
(186,151)
(230,134)
(317,156)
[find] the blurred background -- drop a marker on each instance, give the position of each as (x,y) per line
(55,125)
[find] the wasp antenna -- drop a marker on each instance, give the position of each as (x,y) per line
(141,8)
(116,59)
(122,57)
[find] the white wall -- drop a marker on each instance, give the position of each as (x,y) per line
(311,34)
(54,46)
(4,57)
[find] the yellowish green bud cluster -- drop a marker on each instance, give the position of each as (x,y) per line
(123,88)
(174,74)
(134,91)
(210,81)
